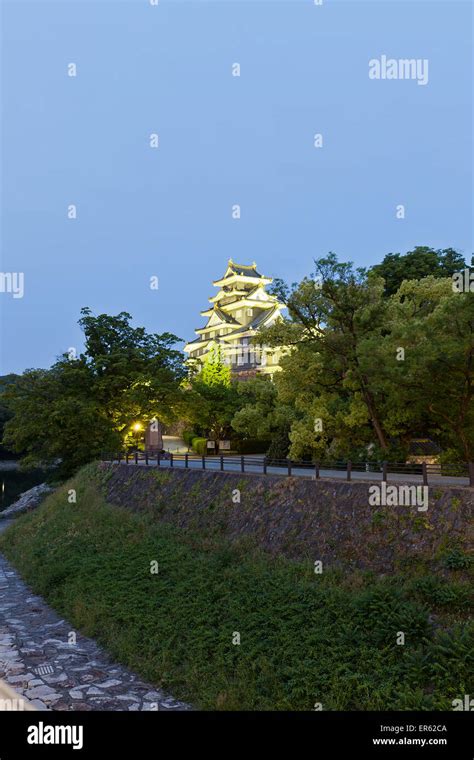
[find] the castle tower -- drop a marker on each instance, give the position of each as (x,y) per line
(239,309)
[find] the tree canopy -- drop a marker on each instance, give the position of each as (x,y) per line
(366,373)
(372,359)
(421,262)
(84,405)
(211,399)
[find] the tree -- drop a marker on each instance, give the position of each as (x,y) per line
(417,264)
(333,317)
(215,372)
(137,374)
(211,399)
(55,417)
(261,414)
(435,381)
(83,406)
(369,373)
(5,413)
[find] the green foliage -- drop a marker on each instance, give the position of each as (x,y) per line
(187,436)
(260,414)
(199,445)
(305,638)
(456,559)
(279,447)
(214,371)
(417,264)
(382,611)
(250,446)
(365,374)
(439,592)
(58,418)
(83,406)
(329,376)
(433,387)
(211,399)
(5,412)
(446,664)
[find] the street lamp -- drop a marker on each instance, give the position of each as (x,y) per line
(137,428)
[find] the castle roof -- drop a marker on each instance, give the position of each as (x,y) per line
(241,272)
(241,288)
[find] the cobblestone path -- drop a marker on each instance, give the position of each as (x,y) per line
(38,661)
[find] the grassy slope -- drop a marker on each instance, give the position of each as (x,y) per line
(305,638)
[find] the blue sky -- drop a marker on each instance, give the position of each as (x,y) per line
(223,140)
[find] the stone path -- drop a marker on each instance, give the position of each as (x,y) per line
(39,662)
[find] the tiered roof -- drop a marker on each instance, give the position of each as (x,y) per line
(240,307)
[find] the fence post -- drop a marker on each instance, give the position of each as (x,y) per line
(136,457)
(242,464)
(126,458)
(316,470)
(424,470)
(471,473)
(158,459)
(186,464)
(222,462)
(146,457)
(203,462)
(349,470)
(171,459)
(384,472)
(264,465)
(288,462)
(120,457)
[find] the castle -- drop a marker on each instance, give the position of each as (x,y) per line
(240,308)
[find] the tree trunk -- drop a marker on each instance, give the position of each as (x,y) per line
(379,431)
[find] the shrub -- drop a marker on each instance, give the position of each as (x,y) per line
(457,560)
(199,445)
(437,591)
(188,436)
(279,446)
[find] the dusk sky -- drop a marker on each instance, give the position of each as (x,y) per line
(84,140)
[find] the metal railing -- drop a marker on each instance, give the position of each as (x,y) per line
(395,471)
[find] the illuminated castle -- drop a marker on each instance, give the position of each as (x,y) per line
(240,308)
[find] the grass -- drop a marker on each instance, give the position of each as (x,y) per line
(304,637)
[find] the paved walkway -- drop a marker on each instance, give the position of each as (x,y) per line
(38,661)
(174,444)
(254,464)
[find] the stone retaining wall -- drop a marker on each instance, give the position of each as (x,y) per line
(327,520)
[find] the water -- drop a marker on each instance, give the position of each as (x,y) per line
(14,481)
